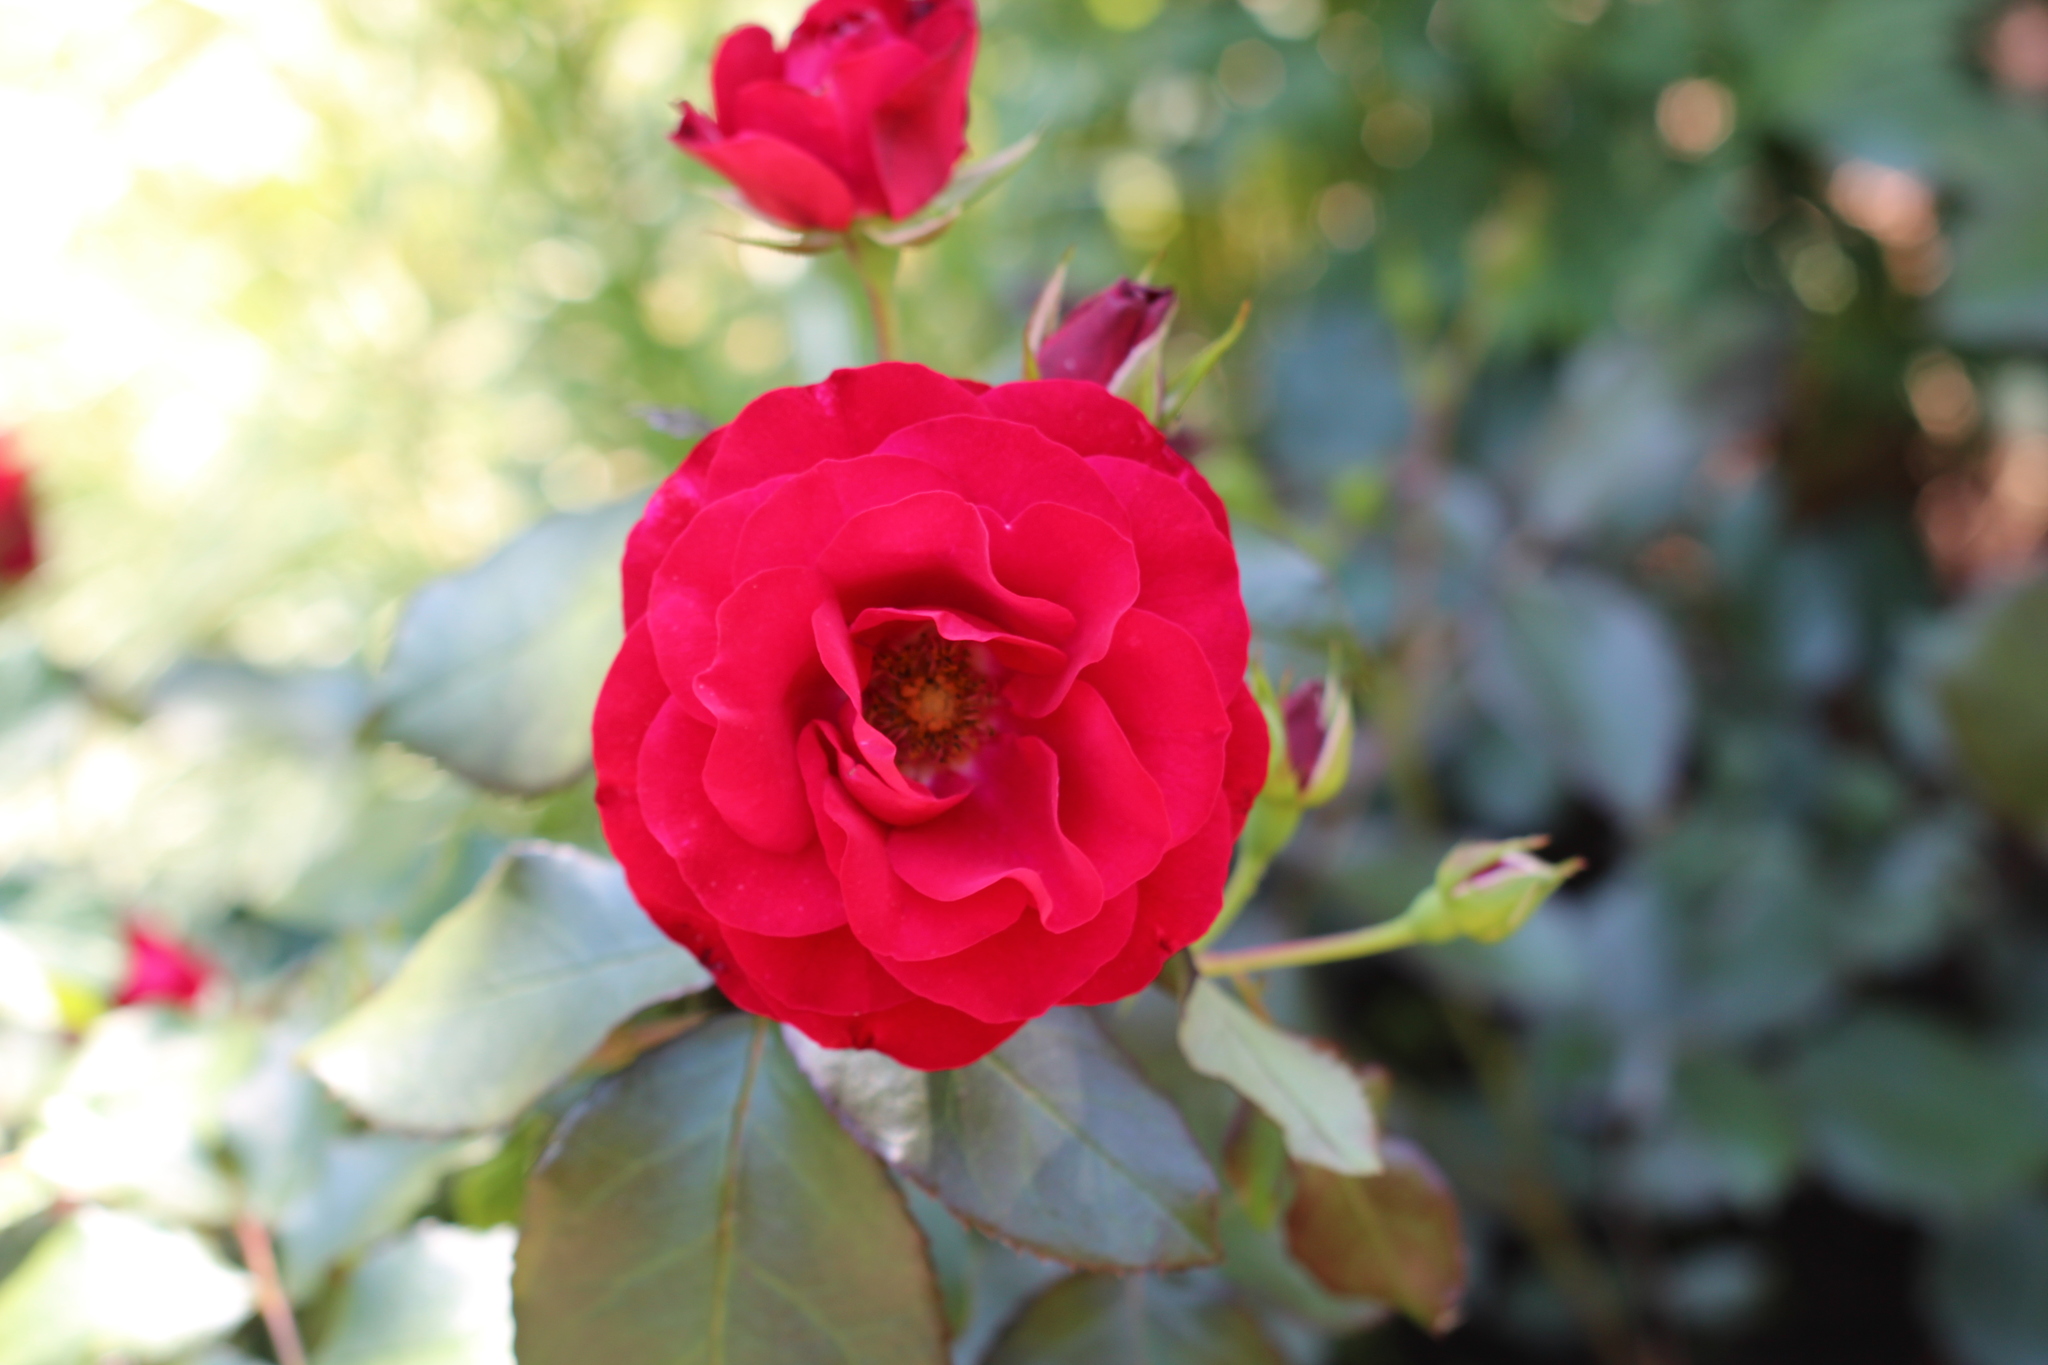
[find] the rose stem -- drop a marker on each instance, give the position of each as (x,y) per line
(276,1306)
(1308,952)
(874,266)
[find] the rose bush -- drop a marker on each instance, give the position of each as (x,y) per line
(930,715)
(865,112)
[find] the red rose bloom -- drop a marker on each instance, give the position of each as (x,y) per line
(931,713)
(865,113)
(17,517)
(161,971)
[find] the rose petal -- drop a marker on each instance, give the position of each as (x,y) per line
(1176,906)
(812,121)
(780,179)
(881,789)
(1008,827)
(789,430)
(1109,805)
(1157,683)
(741,885)
(1011,651)
(1091,420)
(1061,555)
(931,550)
(918,134)
(766,681)
(692,580)
(747,55)
(806,511)
(1189,567)
(1025,970)
(668,512)
(918,1033)
(891,918)
(1006,466)
(1245,757)
(633,694)
(827,973)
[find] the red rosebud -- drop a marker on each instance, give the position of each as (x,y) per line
(1305,729)
(864,113)
(1320,733)
(161,971)
(1108,334)
(17,516)
(931,712)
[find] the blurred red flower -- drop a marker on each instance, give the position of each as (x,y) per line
(865,113)
(161,971)
(17,515)
(931,713)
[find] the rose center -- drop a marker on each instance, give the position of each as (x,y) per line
(926,694)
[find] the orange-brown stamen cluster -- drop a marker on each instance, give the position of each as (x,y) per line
(927,696)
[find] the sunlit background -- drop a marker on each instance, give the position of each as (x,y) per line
(1645,399)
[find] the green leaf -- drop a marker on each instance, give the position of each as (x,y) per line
(1053,1143)
(137,1114)
(1394,1236)
(504,996)
(1989,683)
(1990,1288)
(1998,292)
(1728,1142)
(1589,672)
(495,671)
(703,1208)
(436,1295)
(1258,1262)
(1316,1098)
(1256,1165)
(369,1186)
(1912,1115)
(111,1284)
(1206,360)
(1103,1320)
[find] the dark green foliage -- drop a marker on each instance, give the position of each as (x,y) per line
(702,1206)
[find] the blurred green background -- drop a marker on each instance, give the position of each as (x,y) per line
(1646,401)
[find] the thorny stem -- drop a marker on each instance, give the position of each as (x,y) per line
(271,1301)
(875,267)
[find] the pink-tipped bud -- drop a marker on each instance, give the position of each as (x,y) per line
(162,971)
(1488,890)
(1320,730)
(18,554)
(1108,336)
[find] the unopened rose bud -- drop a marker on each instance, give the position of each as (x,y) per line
(1486,891)
(161,971)
(17,516)
(1320,732)
(1108,338)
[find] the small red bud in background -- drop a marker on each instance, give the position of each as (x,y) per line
(17,516)
(162,971)
(1106,332)
(1320,733)
(1304,716)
